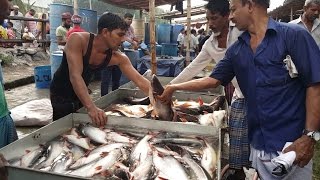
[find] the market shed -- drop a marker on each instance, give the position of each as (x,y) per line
(291,9)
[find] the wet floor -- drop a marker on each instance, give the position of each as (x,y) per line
(23,94)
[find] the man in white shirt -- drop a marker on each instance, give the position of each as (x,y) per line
(193,43)
(224,35)
(17,24)
(310,19)
(180,40)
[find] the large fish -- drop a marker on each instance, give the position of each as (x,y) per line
(31,157)
(209,159)
(95,134)
(162,110)
(54,150)
(169,166)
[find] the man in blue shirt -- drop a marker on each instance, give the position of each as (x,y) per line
(280,108)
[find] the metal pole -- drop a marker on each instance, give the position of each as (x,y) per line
(90,4)
(75,7)
(152,36)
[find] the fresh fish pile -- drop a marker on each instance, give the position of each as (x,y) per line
(88,151)
(198,112)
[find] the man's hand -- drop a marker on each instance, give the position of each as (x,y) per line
(166,96)
(304,148)
(97,116)
(3,169)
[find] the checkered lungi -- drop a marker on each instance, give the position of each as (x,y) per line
(238,127)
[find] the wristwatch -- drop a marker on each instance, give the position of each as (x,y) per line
(315,135)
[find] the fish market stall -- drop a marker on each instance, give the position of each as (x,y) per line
(137,144)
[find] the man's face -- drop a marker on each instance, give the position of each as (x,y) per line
(311,12)
(32,13)
(67,23)
(216,21)
(114,38)
(240,14)
(4,9)
(128,20)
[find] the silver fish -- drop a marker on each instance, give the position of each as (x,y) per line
(198,171)
(136,111)
(116,137)
(54,150)
(209,159)
(77,140)
(96,154)
(169,166)
(141,150)
(31,157)
(104,163)
(95,134)
(77,152)
(62,164)
(182,141)
(142,172)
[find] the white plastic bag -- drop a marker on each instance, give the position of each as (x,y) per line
(33,113)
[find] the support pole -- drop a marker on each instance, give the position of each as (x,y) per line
(152,36)
(188,32)
(90,3)
(75,7)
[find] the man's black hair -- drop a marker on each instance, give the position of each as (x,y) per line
(9,22)
(263,3)
(128,15)
(193,31)
(218,6)
(111,22)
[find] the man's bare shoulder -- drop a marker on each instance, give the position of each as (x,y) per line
(79,36)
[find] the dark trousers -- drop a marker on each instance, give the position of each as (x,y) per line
(107,74)
(62,106)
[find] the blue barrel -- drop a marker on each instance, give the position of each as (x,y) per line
(89,20)
(55,60)
(176,28)
(158,49)
(42,76)
(163,33)
(56,10)
(169,49)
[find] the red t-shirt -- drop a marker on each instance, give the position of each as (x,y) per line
(75,29)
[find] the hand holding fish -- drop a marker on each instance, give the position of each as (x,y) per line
(166,96)
(97,116)
(304,148)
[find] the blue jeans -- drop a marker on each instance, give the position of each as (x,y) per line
(107,74)
(8,133)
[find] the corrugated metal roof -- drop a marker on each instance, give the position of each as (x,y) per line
(138,4)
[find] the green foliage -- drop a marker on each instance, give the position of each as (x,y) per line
(6,58)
